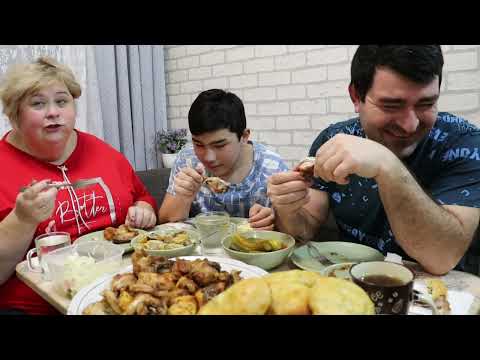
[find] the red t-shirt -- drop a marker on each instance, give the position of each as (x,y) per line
(77,212)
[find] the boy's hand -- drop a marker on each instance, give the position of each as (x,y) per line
(261,217)
(188,181)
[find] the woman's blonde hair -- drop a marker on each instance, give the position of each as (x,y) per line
(23,80)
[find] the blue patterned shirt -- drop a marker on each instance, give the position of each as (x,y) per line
(239,197)
(446,164)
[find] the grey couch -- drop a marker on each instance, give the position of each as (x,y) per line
(156,181)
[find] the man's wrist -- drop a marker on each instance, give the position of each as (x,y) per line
(391,168)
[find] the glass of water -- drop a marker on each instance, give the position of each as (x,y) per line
(213,227)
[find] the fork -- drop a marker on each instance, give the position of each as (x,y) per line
(312,250)
(314,253)
(75,185)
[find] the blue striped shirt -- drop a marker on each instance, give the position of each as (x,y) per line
(239,197)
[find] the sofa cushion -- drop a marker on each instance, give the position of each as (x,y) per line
(156,182)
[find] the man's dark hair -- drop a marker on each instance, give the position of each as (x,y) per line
(418,63)
(217,109)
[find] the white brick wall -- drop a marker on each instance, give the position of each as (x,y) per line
(292,92)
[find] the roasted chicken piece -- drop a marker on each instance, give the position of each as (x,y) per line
(122,281)
(143,263)
(181,267)
(175,293)
(236,276)
(214,264)
(123,234)
(203,273)
(216,184)
(183,305)
(306,166)
(207,293)
(97,308)
(140,287)
(146,304)
(109,233)
(124,300)
(159,286)
(187,284)
(112,301)
(157,281)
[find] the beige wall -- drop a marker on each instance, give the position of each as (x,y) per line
(292,92)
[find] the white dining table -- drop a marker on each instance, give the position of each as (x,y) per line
(454,280)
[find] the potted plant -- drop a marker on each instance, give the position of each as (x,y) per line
(169,143)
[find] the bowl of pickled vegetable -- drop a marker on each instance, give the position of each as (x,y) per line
(265,249)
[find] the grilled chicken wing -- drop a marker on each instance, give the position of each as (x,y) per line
(216,184)
(306,167)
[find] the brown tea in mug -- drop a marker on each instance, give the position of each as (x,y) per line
(382,280)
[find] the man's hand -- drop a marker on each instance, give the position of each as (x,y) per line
(188,181)
(36,203)
(261,217)
(288,191)
(141,216)
(344,155)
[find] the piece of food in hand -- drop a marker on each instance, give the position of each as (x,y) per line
(216,184)
(306,166)
(121,235)
(241,243)
(439,292)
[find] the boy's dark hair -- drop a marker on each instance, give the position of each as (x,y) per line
(419,63)
(217,109)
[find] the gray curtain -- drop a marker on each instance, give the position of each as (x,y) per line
(131,81)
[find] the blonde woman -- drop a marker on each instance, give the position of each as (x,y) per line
(43,147)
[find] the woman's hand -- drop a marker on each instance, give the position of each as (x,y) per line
(141,216)
(36,203)
(261,217)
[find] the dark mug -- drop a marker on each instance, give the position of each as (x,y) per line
(389,285)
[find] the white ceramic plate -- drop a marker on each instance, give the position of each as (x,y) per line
(92,292)
(98,235)
(335,251)
(341,270)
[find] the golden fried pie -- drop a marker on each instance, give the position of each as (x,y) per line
(307,278)
(246,297)
(291,291)
(333,296)
(289,298)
